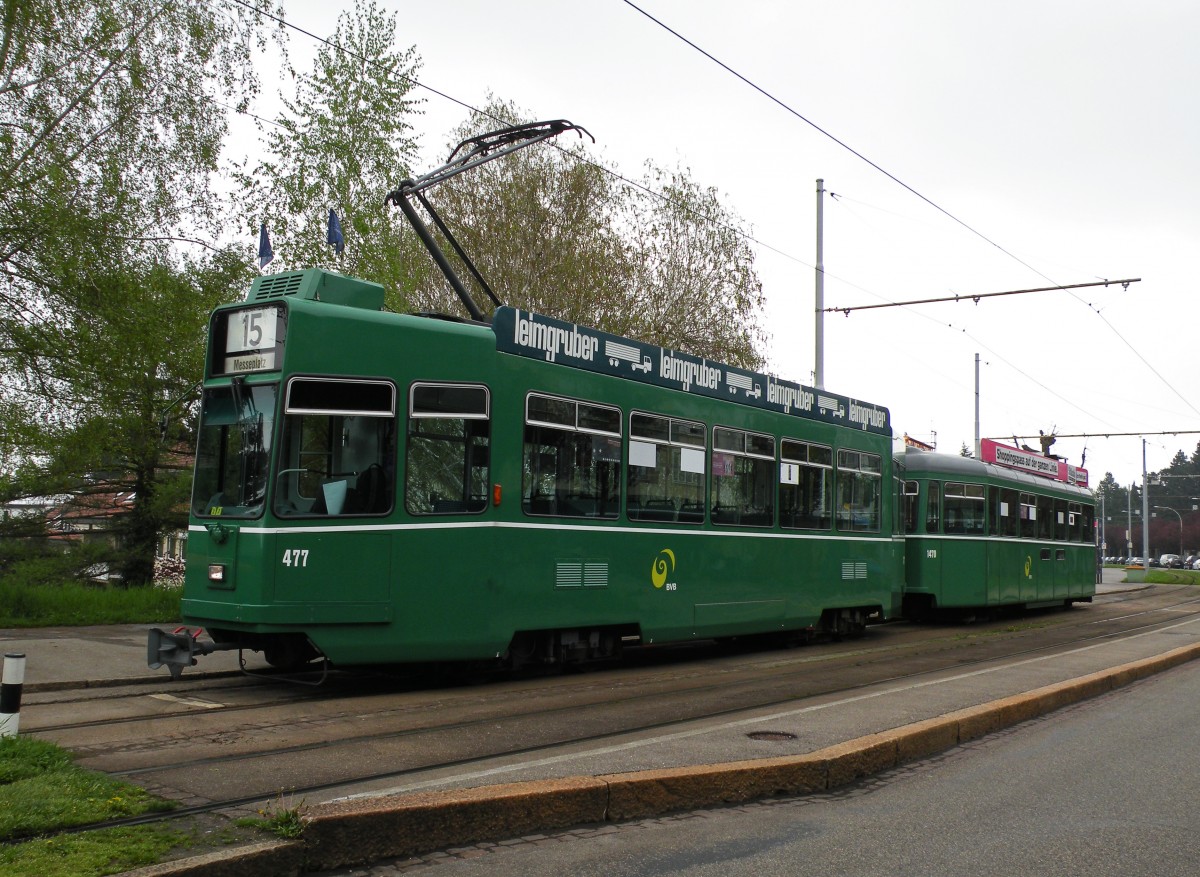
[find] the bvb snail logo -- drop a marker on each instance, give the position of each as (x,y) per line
(1028,566)
(662,567)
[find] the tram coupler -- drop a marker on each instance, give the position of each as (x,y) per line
(178,649)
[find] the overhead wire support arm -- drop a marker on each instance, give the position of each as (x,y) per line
(982,295)
(475,151)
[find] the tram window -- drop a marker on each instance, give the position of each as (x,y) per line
(805,485)
(933,507)
(1061,527)
(743,476)
(1029,516)
(572,458)
(912,505)
(547,409)
(337,455)
(859,500)
(1080,520)
(318,395)
(964,508)
(449,438)
(1007,512)
(233,451)
(665,478)
(1045,517)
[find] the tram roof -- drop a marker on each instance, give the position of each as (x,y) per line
(925,462)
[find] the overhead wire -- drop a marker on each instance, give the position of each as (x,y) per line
(740,231)
(788,108)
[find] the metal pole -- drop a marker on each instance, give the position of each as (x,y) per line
(1102,538)
(10,694)
(977,449)
(819,366)
(1129,523)
(1145,513)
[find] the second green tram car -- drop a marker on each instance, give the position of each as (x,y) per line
(980,536)
(373,487)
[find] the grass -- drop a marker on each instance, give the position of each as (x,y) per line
(68,605)
(1159,576)
(286,822)
(42,791)
(95,853)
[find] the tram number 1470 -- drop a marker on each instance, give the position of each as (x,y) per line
(295,557)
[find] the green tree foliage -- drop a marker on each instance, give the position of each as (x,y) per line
(113,116)
(1177,487)
(660,259)
(343,142)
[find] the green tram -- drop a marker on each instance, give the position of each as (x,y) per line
(981,536)
(372,487)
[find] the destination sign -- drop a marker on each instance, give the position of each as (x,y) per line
(528,334)
(253,340)
(991,451)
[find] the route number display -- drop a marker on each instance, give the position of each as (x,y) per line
(251,340)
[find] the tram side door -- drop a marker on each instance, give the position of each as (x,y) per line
(925,569)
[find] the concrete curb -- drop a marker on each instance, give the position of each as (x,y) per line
(371,829)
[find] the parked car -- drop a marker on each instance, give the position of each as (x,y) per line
(1170,561)
(1133,561)
(1196,563)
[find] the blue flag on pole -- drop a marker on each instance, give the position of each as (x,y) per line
(335,233)
(265,253)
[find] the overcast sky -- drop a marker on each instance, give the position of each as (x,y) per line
(1063,138)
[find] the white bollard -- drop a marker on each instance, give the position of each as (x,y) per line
(10,694)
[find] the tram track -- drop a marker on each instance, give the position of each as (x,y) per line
(603,704)
(646,728)
(772,660)
(233,803)
(745,679)
(283,694)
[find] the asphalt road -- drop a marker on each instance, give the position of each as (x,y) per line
(1108,787)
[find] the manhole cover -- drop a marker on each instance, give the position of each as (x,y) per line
(771,735)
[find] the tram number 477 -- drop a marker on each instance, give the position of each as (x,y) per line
(295,557)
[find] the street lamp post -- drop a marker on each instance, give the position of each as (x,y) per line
(1163,508)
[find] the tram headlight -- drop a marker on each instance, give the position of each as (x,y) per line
(216,572)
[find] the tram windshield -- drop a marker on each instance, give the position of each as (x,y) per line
(233,451)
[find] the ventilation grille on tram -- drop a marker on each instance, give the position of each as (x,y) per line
(277,286)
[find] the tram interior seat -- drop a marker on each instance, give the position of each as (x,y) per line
(369,495)
(540,504)
(582,505)
(654,510)
(757,517)
(724,514)
(691,512)
(801,520)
